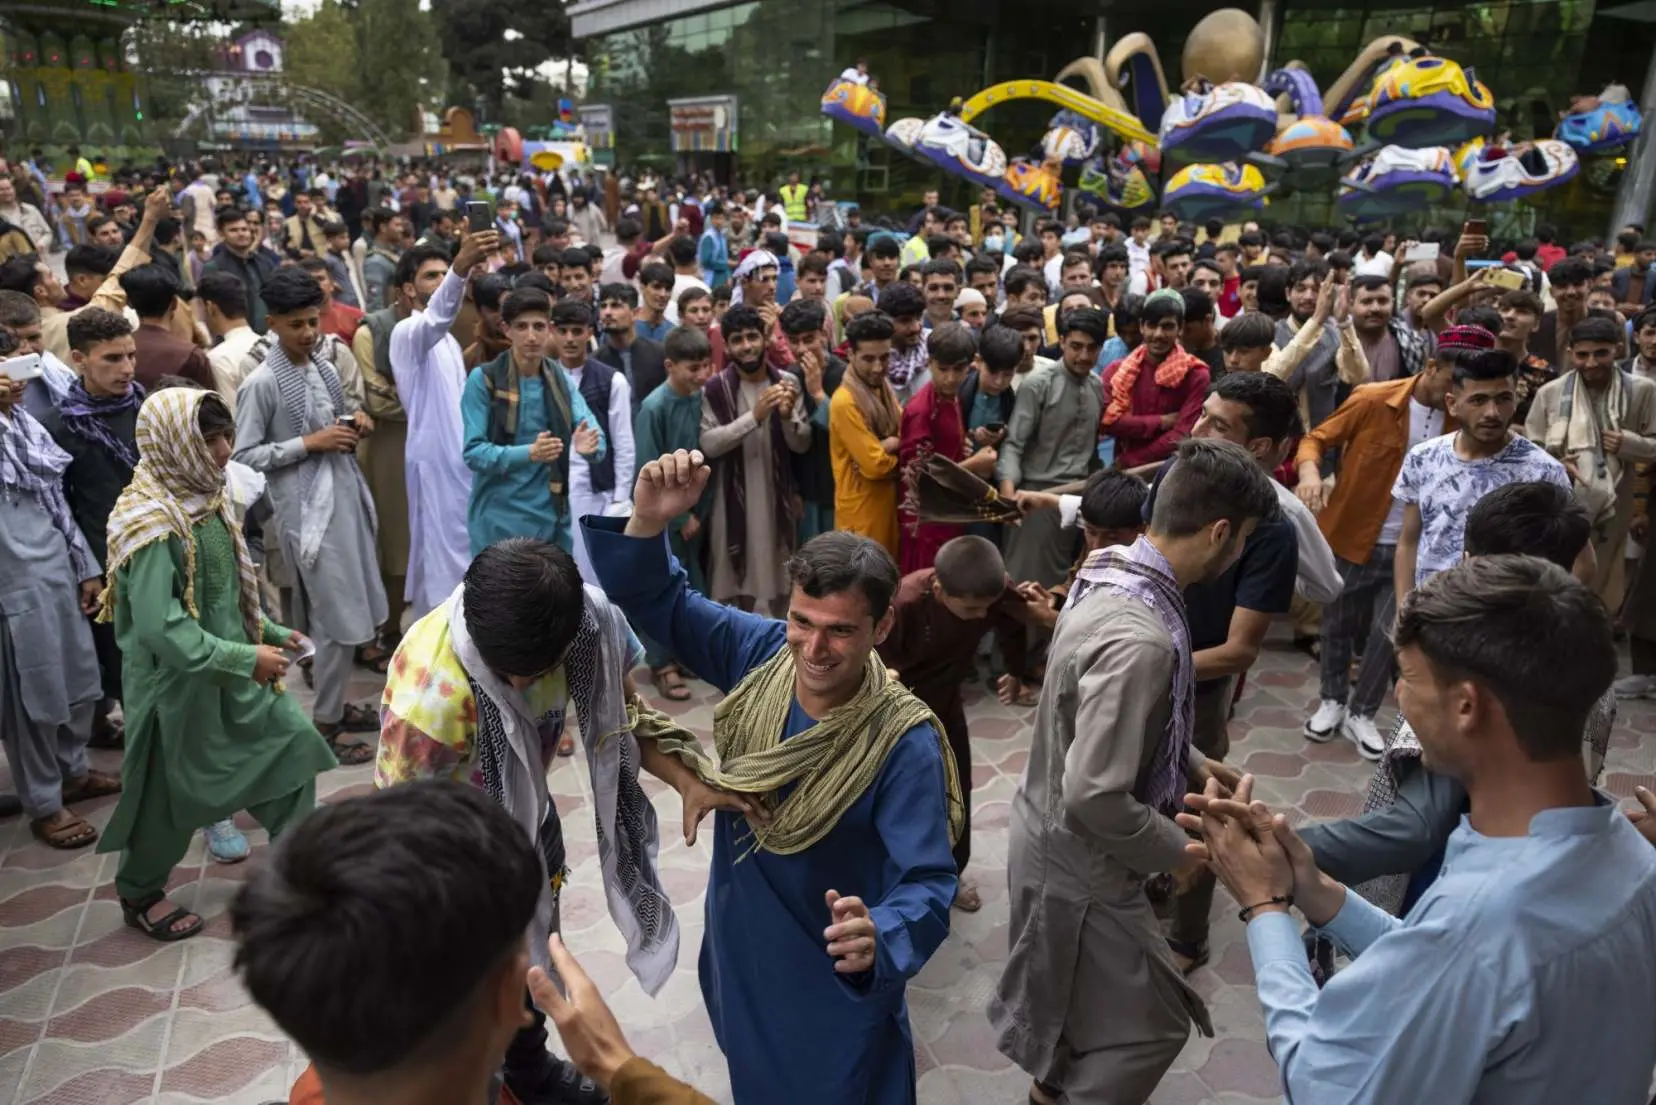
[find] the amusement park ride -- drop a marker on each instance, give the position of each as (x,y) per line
(1425,126)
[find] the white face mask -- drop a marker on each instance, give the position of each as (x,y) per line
(994,242)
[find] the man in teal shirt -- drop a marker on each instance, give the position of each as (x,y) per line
(521,418)
(713,253)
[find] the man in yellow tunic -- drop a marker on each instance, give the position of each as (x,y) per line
(863,420)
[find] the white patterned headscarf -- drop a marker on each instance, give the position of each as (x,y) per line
(753,262)
(176,486)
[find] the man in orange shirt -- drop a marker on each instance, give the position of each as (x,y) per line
(338,319)
(1373,429)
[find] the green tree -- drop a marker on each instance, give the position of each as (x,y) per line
(172,55)
(322,54)
(491,63)
(380,56)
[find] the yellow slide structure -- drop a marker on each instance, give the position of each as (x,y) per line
(1115,119)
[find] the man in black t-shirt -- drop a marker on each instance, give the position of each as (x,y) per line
(1229,616)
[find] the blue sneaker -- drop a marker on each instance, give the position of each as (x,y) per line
(225,842)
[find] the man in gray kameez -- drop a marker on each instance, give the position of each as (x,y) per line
(296,423)
(1052,439)
(49,681)
(1091,1003)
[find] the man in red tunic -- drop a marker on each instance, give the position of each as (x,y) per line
(1153,395)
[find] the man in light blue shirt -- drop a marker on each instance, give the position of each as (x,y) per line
(1525,973)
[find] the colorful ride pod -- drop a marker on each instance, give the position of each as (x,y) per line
(961,149)
(1222,122)
(1071,138)
(1424,101)
(1595,124)
(1312,143)
(1197,193)
(904,135)
(1396,180)
(1120,182)
(856,105)
(1495,175)
(1033,184)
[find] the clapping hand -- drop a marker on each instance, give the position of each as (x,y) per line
(545,448)
(585,439)
(851,936)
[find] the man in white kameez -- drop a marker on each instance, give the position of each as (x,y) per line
(430,373)
(298,424)
(1091,1003)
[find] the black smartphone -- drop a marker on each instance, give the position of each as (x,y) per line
(478,216)
(994,427)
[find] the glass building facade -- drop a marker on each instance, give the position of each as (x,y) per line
(775,57)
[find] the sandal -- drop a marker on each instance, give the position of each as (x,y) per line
(94,784)
(566,745)
(1194,955)
(966,898)
(359,719)
(64,831)
(348,755)
(307,674)
(137,916)
(107,733)
(374,657)
(670,683)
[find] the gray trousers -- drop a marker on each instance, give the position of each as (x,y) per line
(45,757)
(1366,607)
(331,669)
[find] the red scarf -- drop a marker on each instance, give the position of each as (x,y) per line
(1169,374)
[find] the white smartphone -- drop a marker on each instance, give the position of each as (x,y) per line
(1421,251)
(26,367)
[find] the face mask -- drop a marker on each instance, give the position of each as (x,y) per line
(994,243)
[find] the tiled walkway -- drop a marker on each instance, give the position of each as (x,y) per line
(92,1013)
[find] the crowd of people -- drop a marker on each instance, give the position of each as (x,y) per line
(277,428)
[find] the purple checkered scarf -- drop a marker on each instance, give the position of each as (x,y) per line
(83,415)
(1139,570)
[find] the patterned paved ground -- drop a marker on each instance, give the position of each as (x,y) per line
(92,1013)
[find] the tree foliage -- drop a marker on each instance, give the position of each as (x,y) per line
(492,63)
(381,56)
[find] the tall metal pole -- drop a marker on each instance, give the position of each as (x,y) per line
(1268,25)
(1638,183)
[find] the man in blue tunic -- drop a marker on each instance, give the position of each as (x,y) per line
(862,798)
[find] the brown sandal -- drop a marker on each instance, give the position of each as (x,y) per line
(94,784)
(64,830)
(348,755)
(670,682)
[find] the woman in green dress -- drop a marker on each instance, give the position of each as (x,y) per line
(209,729)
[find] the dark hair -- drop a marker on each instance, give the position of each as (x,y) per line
(803,316)
(1370,281)
(1111,499)
(1001,348)
(1021,277)
(20,274)
(984,266)
(739,319)
(686,343)
(1569,272)
(1482,315)
(1075,257)
(413,258)
(490,289)
(1273,412)
(213,418)
(546,254)
(885,246)
(151,289)
(902,300)
(523,301)
(433,872)
(1255,238)
(313,265)
(831,242)
(689,296)
(1596,330)
(1089,320)
(1212,480)
(555,228)
(656,274)
(838,561)
(1113,253)
(624,293)
(88,260)
(1021,318)
(225,291)
(228,214)
(574,258)
(290,290)
(941,266)
(812,264)
(334,226)
(1524,630)
(1306,270)
(628,229)
(1249,330)
(873,325)
(1522,300)
(952,343)
(1028,252)
(1198,305)
(18,309)
(523,603)
(532,279)
(970,567)
(90,326)
(1423,278)
(1156,308)
(1485,364)
(682,249)
(1535,518)
(570,312)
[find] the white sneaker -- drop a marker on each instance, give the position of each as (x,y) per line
(1635,686)
(1361,731)
(1326,721)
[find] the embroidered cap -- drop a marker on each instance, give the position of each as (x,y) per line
(1466,337)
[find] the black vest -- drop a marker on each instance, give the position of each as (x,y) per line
(595,389)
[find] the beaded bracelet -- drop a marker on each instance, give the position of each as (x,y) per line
(1278,899)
